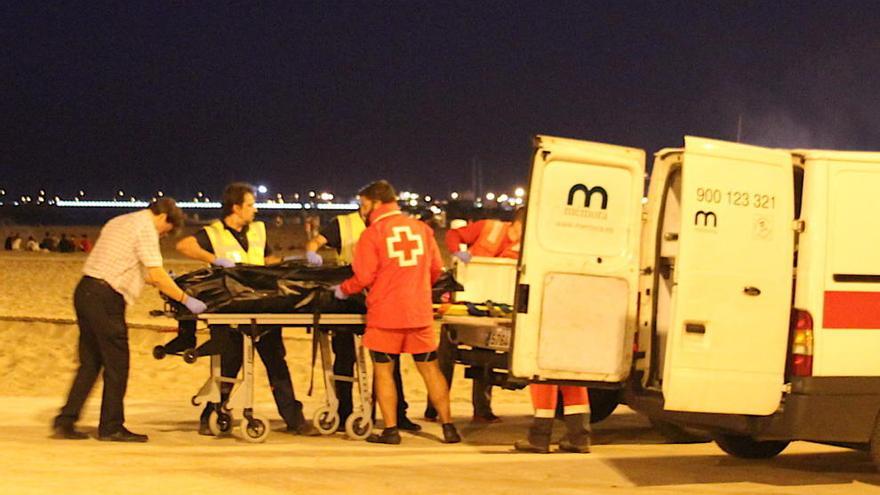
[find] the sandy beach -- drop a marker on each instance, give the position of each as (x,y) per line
(38,359)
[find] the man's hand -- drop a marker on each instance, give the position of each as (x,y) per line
(314,258)
(464,256)
(224,262)
(338,294)
(194,305)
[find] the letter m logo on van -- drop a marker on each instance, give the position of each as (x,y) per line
(588,195)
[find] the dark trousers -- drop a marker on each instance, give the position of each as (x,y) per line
(343,365)
(103,345)
(271,349)
(481,393)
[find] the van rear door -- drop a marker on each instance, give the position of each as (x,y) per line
(577,280)
(733,279)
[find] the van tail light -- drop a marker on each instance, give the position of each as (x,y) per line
(802,345)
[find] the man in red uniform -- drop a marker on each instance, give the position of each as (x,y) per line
(493,239)
(502,240)
(398,260)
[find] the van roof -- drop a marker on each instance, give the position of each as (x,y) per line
(835,155)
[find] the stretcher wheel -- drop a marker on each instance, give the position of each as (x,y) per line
(189,356)
(158,352)
(326,420)
(254,430)
(358,426)
(219,423)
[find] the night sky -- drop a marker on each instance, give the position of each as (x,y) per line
(187,96)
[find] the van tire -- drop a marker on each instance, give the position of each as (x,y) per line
(603,402)
(749,448)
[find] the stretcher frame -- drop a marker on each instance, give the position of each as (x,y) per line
(326,419)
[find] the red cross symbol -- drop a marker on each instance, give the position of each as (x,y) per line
(405,246)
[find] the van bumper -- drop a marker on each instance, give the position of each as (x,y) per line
(819,409)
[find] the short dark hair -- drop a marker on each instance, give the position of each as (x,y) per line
(234,195)
(169,207)
(379,190)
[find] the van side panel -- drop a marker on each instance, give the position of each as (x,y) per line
(841,263)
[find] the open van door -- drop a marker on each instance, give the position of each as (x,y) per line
(732,280)
(577,281)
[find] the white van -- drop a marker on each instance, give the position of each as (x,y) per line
(742,300)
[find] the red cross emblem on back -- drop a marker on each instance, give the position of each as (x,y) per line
(405,246)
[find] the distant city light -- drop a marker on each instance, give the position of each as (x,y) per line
(199,194)
(120,193)
(82,193)
(262,189)
(413,202)
(404,196)
(312,194)
(454,195)
(502,198)
(325,196)
(160,194)
(519,192)
(427,199)
(490,196)
(42,192)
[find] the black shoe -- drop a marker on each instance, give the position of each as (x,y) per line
(406,424)
(305,429)
(450,434)
(123,435)
(68,432)
(389,436)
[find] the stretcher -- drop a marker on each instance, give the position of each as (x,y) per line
(254,427)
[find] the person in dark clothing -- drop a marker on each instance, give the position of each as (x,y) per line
(66,245)
(342,234)
(237,238)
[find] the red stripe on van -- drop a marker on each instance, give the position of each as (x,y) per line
(852,310)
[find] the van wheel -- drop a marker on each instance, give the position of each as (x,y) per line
(749,448)
(603,402)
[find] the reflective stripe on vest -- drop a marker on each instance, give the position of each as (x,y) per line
(489,243)
(351,226)
(226,245)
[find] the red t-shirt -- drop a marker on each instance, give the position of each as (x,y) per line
(398,259)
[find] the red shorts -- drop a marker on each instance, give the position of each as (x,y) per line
(400,340)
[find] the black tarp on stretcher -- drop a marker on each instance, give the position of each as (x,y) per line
(289,287)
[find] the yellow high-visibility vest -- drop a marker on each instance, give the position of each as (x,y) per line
(351,226)
(226,245)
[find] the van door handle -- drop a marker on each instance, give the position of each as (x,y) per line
(695,328)
(752,291)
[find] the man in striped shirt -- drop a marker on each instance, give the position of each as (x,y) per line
(124,258)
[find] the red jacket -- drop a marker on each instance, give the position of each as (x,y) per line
(398,259)
(484,238)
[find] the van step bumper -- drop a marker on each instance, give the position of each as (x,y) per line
(819,409)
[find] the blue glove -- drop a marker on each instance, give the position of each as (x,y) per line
(314,258)
(224,262)
(464,256)
(194,305)
(338,294)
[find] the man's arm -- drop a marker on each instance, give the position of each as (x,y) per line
(469,234)
(316,243)
(189,247)
(157,276)
(436,258)
(365,266)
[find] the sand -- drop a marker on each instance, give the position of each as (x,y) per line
(38,360)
